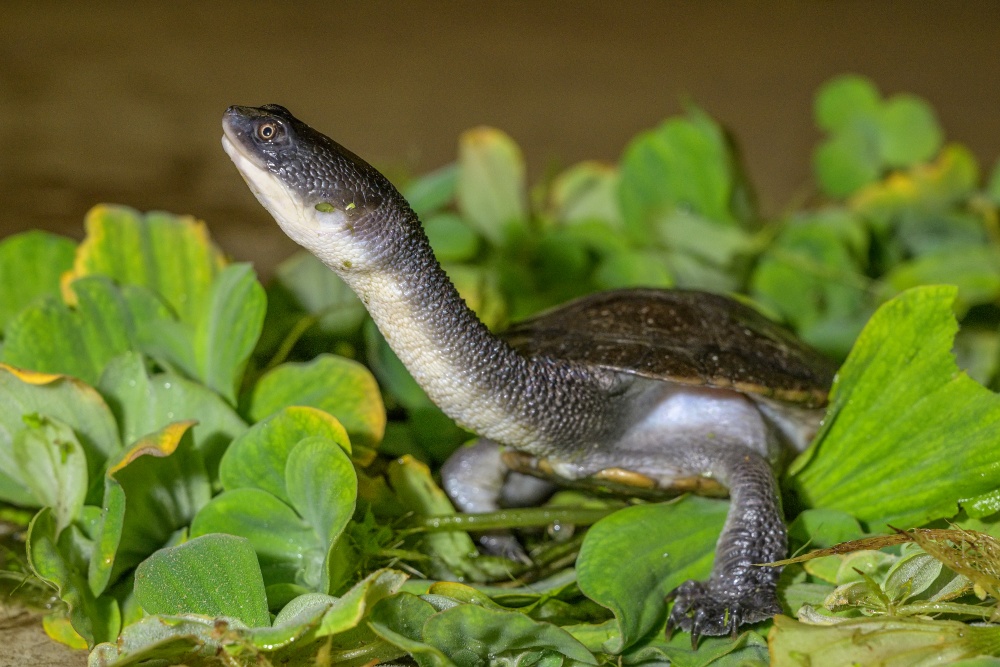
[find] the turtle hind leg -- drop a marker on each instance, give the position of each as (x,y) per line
(739,591)
(477,480)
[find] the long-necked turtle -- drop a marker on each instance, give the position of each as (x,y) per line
(658,386)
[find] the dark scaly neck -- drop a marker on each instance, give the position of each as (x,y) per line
(538,405)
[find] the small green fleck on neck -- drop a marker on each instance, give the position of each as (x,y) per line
(324,207)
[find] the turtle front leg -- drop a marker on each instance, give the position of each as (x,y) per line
(477,480)
(738,591)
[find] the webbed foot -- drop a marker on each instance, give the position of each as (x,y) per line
(702,608)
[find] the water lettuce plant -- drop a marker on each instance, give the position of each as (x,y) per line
(208,471)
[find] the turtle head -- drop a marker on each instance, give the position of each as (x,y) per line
(323,196)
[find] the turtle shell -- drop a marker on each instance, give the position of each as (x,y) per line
(683,336)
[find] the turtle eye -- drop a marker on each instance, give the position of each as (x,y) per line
(267,131)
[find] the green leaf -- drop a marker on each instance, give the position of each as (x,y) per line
(686,164)
(892,642)
(52,338)
(227,328)
(31,265)
(451,238)
(663,545)
(909,131)
(823,528)
(586,192)
(634,268)
(213,575)
(974,269)
(144,403)
(490,190)
(288,549)
(842,99)
(51,463)
(58,397)
(257,459)
(911,575)
(171,255)
(993,187)
(889,454)
(60,559)
(432,192)
(152,490)
(846,162)
(746,650)
(320,292)
(339,386)
(470,636)
(322,484)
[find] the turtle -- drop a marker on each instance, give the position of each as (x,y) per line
(641,388)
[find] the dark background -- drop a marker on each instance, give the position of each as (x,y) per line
(121,101)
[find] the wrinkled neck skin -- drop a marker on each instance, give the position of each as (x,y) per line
(542,406)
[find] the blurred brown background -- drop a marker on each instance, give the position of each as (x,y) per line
(121,101)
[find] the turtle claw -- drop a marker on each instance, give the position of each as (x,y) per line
(703,610)
(505,545)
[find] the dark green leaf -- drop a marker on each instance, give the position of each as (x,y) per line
(451,238)
(432,192)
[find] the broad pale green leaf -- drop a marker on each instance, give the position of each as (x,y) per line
(257,459)
(289,549)
(842,99)
(686,164)
(888,642)
(586,192)
(227,328)
(61,561)
(171,255)
(631,560)
(909,131)
(350,609)
(322,484)
(683,231)
(470,636)
(846,162)
(31,265)
(51,463)
(213,575)
(145,403)
(53,338)
(890,454)
(151,490)
(174,640)
(341,387)
(490,190)
(64,398)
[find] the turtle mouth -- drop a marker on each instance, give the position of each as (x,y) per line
(287,208)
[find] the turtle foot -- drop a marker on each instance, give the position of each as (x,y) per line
(704,609)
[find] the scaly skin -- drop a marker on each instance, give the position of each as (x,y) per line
(346,213)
